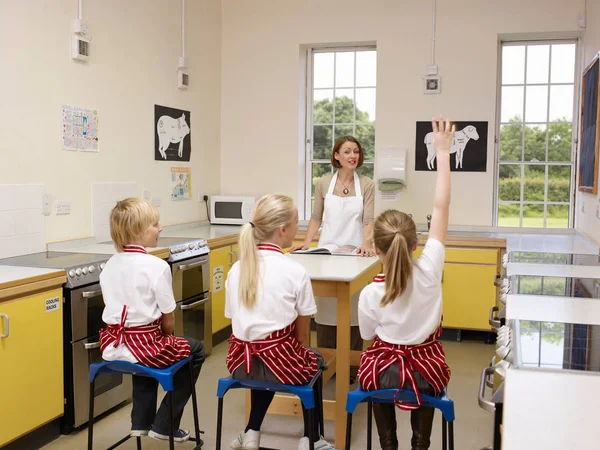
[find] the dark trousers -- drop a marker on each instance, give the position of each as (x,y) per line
(261,400)
(145,390)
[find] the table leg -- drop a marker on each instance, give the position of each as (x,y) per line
(342,363)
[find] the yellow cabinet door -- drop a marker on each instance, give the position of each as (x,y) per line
(468,294)
(221,260)
(31,363)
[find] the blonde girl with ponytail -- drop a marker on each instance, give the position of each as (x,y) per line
(402,309)
(269,300)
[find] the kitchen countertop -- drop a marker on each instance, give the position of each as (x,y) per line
(21,281)
(102,248)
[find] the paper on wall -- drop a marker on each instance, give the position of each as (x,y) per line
(181,183)
(389,196)
(79,129)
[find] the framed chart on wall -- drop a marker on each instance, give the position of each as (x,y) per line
(590,128)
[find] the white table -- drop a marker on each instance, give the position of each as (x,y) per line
(340,277)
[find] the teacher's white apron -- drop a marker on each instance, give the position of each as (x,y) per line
(342,225)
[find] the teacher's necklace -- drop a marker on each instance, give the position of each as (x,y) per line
(345,191)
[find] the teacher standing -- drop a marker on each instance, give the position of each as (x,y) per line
(344,207)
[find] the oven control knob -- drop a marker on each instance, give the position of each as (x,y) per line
(78,272)
(91,269)
(84,271)
(102,266)
(191,246)
(71,273)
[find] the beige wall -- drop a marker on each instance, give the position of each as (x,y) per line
(260,83)
(134,53)
(586,220)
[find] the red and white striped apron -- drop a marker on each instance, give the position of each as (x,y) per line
(280,352)
(427,358)
(147,343)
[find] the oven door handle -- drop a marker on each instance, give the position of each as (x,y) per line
(483,403)
(91,345)
(191,266)
(193,305)
(92,294)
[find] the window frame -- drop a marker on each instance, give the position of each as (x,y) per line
(574,134)
(309,109)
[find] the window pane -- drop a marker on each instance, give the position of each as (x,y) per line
(561,103)
(344,69)
(323,70)
(563,63)
(559,183)
(509,188)
(530,285)
(322,141)
(512,104)
(318,170)
(513,64)
(511,142)
(508,215)
(322,106)
(365,105)
(534,183)
(366,136)
(366,68)
(558,216)
(559,142)
(533,216)
(343,130)
(538,58)
(366,170)
(535,143)
(554,285)
(536,104)
(344,105)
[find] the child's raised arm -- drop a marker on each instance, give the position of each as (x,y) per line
(443,135)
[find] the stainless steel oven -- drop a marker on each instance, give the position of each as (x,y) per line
(190,266)
(110,389)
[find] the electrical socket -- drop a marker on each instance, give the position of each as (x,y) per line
(582,207)
(146,194)
(598,211)
(63,207)
(156,201)
(202,197)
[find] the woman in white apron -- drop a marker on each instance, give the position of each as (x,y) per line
(344,206)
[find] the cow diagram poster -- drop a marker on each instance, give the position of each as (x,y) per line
(467,154)
(172,139)
(79,129)
(181,183)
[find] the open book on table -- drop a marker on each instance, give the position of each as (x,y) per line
(331,249)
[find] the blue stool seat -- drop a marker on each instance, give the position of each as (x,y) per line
(306,393)
(164,378)
(441,402)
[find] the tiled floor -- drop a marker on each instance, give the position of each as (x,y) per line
(473,428)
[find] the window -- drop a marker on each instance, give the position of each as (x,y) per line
(340,102)
(536,129)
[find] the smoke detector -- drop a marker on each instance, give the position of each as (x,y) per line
(183,79)
(80,48)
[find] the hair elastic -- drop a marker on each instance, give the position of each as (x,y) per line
(252,225)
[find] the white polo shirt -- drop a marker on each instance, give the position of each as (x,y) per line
(142,282)
(284,292)
(417,313)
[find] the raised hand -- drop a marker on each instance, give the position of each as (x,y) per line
(443,135)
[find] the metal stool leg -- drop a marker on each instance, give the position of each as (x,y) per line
(348,430)
(321,418)
(219,423)
(172,422)
(451,438)
(444,434)
(139,443)
(369,424)
(311,434)
(91,416)
(194,403)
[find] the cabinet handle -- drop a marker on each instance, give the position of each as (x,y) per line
(494,321)
(6,325)
(483,403)
(497,280)
(231,258)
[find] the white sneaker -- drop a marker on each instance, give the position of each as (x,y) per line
(250,440)
(321,444)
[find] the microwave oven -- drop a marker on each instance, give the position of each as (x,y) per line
(230,210)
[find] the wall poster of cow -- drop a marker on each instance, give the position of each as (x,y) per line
(172,138)
(467,154)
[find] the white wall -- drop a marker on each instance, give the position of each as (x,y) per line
(134,53)
(586,220)
(260,82)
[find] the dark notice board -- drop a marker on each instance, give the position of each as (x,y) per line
(590,128)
